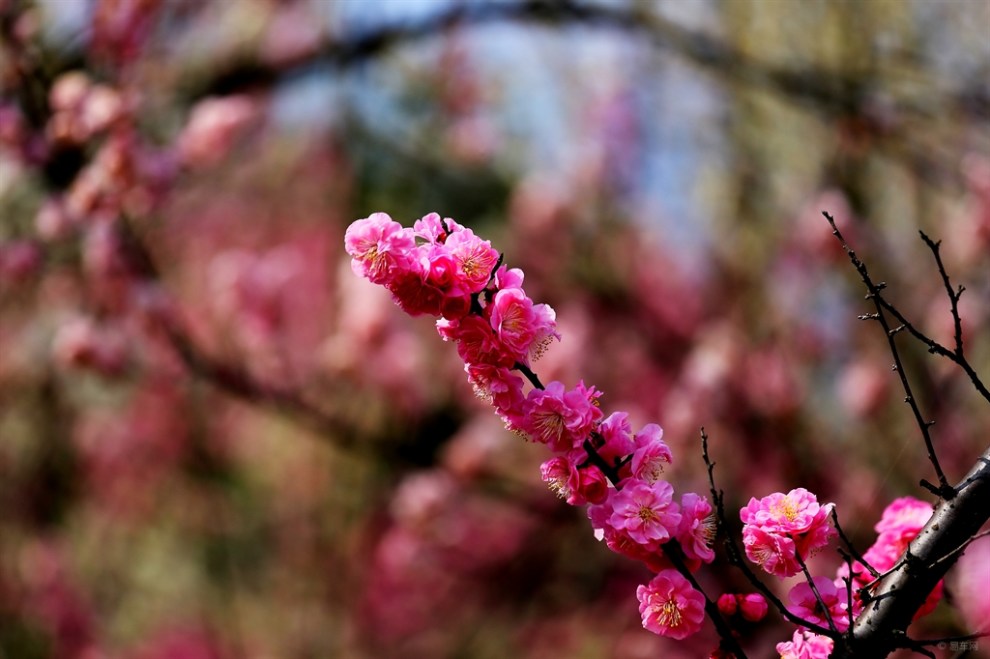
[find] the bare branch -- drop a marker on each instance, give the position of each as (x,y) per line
(874,289)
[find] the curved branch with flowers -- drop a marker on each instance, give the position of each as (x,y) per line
(443,269)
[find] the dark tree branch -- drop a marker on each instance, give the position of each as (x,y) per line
(956,520)
(874,289)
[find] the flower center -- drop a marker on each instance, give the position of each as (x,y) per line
(668,614)
(785,508)
(647,514)
(549,425)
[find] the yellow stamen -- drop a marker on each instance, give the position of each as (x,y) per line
(668,614)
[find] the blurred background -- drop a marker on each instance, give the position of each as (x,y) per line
(216,441)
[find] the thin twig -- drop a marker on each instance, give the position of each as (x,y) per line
(674,553)
(852,549)
(814,589)
(944,490)
(736,555)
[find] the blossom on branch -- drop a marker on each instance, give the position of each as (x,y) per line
(670,606)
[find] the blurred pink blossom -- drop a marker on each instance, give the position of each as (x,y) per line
(214,125)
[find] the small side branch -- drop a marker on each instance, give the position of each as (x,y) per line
(874,293)
(736,555)
(675,555)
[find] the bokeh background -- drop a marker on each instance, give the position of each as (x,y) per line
(216,441)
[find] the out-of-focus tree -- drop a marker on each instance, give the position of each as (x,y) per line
(215,441)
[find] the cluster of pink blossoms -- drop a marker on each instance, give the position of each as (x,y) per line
(781,530)
(901,521)
(805,645)
(441,268)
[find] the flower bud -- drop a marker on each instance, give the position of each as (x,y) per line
(727,604)
(752,607)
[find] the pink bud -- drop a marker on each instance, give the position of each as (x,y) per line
(593,485)
(727,604)
(753,606)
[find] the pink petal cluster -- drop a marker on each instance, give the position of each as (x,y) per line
(697,528)
(805,645)
(559,418)
(443,269)
(780,528)
(644,513)
(900,522)
(670,606)
(804,603)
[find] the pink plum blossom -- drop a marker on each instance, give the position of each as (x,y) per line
(670,606)
(378,247)
(558,418)
(646,513)
(790,513)
(522,327)
(475,258)
(508,278)
(902,520)
(497,385)
(576,485)
(778,525)
(431,228)
(615,433)
(651,454)
(697,528)
(476,342)
(727,604)
(774,553)
(804,604)
(805,645)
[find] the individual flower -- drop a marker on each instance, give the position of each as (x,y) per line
(506,277)
(790,513)
(475,258)
(214,125)
(805,645)
(558,418)
(379,247)
(645,513)
(614,440)
(805,605)
(523,328)
(900,523)
(561,476)
(696,531)
(476,342)
(902,520)
(651,454)
(773,552)
(576,485)
(670,606)
(496,385)
(431,228)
